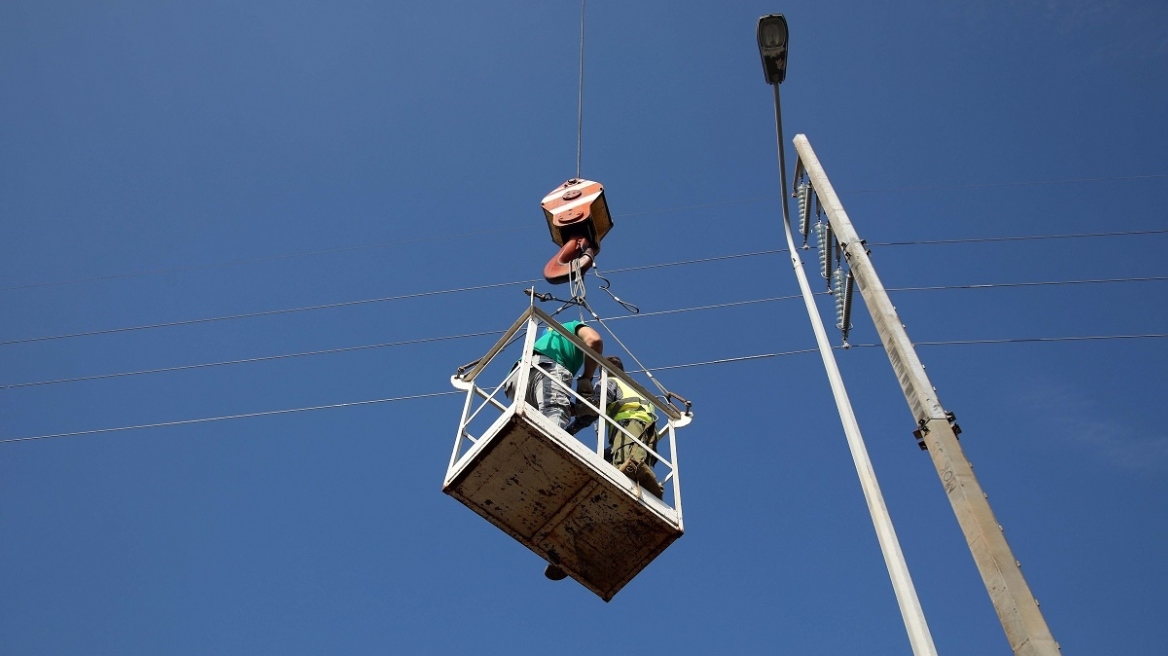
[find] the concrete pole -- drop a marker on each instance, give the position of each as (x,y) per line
(1015,605)
(906,595)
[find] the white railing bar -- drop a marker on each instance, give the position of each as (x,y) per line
(622,429)
(676,475)
(488,398)
(666,408)
(499,345)
(461,429)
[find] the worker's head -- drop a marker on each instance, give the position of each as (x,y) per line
(616,362)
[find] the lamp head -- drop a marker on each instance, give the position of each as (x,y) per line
(772,47)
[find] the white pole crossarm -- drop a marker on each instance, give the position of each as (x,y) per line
(1013,601)
(919,637)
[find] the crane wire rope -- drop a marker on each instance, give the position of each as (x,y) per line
(632,315)
(645,267)
(580,98)
(411,397)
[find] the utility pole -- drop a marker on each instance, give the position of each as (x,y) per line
(772,37)
(1015,605)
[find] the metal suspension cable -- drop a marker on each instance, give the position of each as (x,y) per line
(712,306)
(344,249)
(267,258)
(1019,183)
(245,415)
(659,210)
(263,358)
(950,342)
(629,351)
(977,240)
(263,313)
(422,340)
(345,349)
(1040,283)
(760,356)
(385,299)
(1028,340)
(701,260)
(580,97)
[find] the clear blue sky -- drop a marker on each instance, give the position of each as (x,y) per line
(169,162)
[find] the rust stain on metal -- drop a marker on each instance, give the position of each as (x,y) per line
(563,506)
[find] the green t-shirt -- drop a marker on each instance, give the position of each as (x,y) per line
(558,348)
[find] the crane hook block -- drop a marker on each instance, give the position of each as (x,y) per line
(577,217)
(558,270)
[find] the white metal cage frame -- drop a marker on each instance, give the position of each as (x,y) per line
(547,518)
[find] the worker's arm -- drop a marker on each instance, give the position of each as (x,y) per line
(592,339)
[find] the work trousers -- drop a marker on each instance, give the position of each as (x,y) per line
(551,401)
(624,449)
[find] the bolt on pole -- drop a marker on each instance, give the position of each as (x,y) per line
(1013,601)
(920,639)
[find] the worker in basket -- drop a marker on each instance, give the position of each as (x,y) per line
(636,415)
(559,358)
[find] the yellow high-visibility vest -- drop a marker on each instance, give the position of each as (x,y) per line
(631,405)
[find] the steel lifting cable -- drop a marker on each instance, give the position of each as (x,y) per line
(576,286)
(604,286)
(760,356)
(667,394)
(579,297)
(580,98)
(534,295)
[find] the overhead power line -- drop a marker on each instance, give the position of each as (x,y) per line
(411,397)
(949,342)
(660,210)
(258,260)
(1018,183)
(367,301)
(245,415)
(384,299)
(423,340)
(263,313)
(263,358)
(982,240)
(363,347)
(1039,283)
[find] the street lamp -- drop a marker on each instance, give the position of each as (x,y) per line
(772,45)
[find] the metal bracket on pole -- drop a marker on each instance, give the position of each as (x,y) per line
(937,430)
